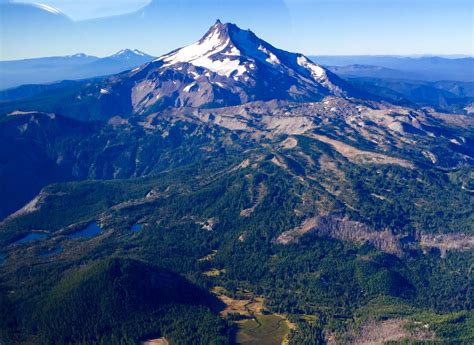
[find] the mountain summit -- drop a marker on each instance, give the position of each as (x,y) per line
(230,66)
(232,52)
(227,50)
(130,54)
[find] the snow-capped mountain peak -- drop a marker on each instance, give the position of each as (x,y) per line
(214,51)
(129,53)
(230,66)
(78,56)
(230,51)
(227,50)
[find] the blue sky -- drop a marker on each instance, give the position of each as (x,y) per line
(322,27)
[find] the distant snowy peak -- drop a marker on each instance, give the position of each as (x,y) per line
(139,52)
(79,56)
(129,54)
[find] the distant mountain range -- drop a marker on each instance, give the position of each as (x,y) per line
(447,96)
(72,67)
(401,67)
(445,83)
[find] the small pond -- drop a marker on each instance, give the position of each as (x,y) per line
(137,227)
(30,238)
(93,229)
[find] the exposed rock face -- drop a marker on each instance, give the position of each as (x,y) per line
(30,207)
(361,132)
(356,232)
(359,156)
(447,242)
(375,333)
(345,230)
(260,195)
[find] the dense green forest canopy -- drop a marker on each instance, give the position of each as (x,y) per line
(212,207)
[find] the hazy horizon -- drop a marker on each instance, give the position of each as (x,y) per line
(412,56)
